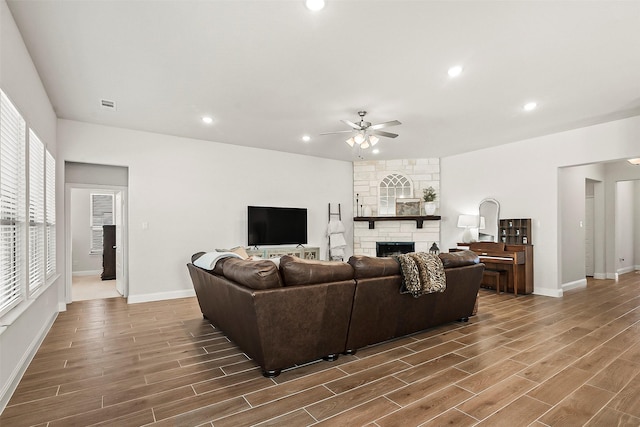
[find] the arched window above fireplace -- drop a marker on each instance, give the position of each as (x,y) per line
(393,186)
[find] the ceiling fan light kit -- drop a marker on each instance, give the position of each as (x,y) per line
(366,134)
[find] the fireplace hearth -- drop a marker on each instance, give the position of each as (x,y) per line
(394,248)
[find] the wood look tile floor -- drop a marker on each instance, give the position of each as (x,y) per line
(525,361)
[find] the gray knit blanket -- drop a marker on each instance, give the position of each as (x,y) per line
(422,273)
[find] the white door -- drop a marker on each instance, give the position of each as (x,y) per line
(589,236)
(121,277)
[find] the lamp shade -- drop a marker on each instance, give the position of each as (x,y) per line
(634,161)
(467,221)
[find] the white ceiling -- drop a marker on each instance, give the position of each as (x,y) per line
(271,71)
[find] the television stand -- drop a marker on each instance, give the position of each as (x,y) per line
(278,251)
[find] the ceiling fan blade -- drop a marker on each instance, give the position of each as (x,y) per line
(338,131)
(383,133)
(385,125)
(351,124)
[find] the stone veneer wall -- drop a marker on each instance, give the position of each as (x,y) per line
(366,181)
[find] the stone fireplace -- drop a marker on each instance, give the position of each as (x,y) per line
(367,176)
(394,248)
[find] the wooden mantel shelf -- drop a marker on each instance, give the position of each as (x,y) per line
(417,218)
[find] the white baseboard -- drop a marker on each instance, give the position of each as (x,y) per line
(87,273)
(613,276)
(15,377)
(548,292)
(135,299)
(626,270)
(576,284)
(600,276)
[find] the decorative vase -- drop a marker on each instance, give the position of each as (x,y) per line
(429,208)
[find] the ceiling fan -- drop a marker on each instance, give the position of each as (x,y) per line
(365,136)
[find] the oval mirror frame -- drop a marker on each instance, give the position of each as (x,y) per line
(489,209)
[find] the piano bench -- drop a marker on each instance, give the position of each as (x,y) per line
(494,276)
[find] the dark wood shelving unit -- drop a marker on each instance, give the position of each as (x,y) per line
(515,231)
(419,219)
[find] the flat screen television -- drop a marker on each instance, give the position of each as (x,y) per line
(276,226)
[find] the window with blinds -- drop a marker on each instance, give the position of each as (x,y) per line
(27,209)
(12,204)
(101,214)
(50,197)
(36,213)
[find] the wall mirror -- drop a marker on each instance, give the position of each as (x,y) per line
(489,214)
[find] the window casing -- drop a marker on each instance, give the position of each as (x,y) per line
(50,198)
(36,213)
(393,186)
(101,214)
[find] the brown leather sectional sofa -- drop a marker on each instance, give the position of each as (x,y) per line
(306,310)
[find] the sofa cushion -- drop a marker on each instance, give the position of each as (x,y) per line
(459,259)
(261,274)
(366,266)
(298,271)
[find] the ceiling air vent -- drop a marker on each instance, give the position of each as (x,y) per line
(108,105)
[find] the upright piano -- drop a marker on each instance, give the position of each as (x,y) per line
(514,261)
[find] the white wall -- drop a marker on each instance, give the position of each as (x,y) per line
(624,223)
(571,200)
(28,323)
(616,172)
(193,195)
(523,177)
(636,215)
(84,262)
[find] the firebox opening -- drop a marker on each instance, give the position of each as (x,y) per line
(385,249)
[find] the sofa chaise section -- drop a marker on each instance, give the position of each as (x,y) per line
(279,318)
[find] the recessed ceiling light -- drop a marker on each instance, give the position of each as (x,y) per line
(455,71)
(529,106)
(375,151)
(314,5)
(208,120)
(306,138)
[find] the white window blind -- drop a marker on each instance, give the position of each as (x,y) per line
(12,204)
(101,214)
(36,213)
(50,196)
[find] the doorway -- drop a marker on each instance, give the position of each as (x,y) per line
(84,234)
(90,277)
(97,268)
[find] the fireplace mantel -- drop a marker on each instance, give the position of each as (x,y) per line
(417,218)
